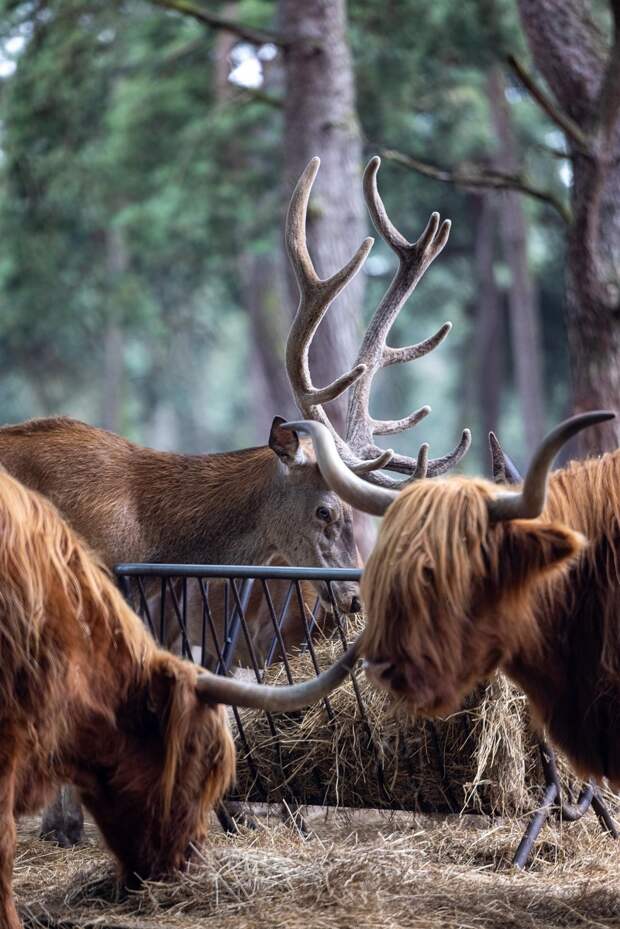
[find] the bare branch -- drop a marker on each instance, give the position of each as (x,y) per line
(562,121)
(484,178)
(247,33)
(608,106)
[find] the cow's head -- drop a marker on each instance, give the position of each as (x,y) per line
(167,765)
(447,587)
(447,591)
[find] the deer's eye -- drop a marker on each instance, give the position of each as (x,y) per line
(324,514)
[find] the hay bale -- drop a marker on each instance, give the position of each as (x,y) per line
(360,750)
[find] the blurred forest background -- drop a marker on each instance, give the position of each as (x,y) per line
(147,154)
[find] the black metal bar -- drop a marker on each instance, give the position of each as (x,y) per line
(162,608)
(535,825)
(146,610)
(565,809)
(125,587)
(186,648)
(271,572)
(603,815)
(277,627)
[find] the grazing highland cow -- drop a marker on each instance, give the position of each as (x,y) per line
(466,578)
(86,697)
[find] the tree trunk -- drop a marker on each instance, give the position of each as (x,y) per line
(522,303)
(113,347)
(584,77)
(487,348)
(320,119)
(263,296)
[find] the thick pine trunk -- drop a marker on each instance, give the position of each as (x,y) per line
(487,345)
(522,304)
(320,119)
(263,296)
(576,61)
(593,316)
(113,343)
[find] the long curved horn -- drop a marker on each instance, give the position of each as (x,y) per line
(530,502)
(359,493)
(212,688)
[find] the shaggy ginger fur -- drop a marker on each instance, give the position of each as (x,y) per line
(86,697)
(450,597)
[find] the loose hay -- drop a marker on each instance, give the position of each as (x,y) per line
(361,872)
(483,759)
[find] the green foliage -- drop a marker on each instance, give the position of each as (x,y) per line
(130,189)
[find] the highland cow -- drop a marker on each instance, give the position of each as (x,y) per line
(86,697)
(466,578)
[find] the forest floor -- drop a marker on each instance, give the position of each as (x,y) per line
(356,870)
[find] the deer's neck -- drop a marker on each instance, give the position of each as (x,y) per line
(215,509)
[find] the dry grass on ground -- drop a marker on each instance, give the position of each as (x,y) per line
(358,871)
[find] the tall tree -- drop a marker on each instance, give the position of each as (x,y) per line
(522,303)
(582,69)
(320,119)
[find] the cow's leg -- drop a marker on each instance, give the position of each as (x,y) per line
(63,820)
(8,841)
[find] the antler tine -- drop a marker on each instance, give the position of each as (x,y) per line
(393,426)
(421,466)
(414,259)
(315,297)
(439,466)
(421,469)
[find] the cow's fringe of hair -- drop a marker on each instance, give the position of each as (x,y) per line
(420,573)
(48,574)
(435,563)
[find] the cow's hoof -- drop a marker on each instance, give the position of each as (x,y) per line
(57,837)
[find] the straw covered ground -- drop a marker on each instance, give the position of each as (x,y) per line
(359,871)
(360,751)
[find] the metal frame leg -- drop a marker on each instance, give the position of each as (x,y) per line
(553,802)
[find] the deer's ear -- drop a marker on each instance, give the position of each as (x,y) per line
(285,442)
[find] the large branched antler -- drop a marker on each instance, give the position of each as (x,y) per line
(315,298)
(413,260)
(359,451)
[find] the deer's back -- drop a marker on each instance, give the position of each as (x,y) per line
(88,474)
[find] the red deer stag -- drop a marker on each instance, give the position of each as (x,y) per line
(87,697)
(467,577)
